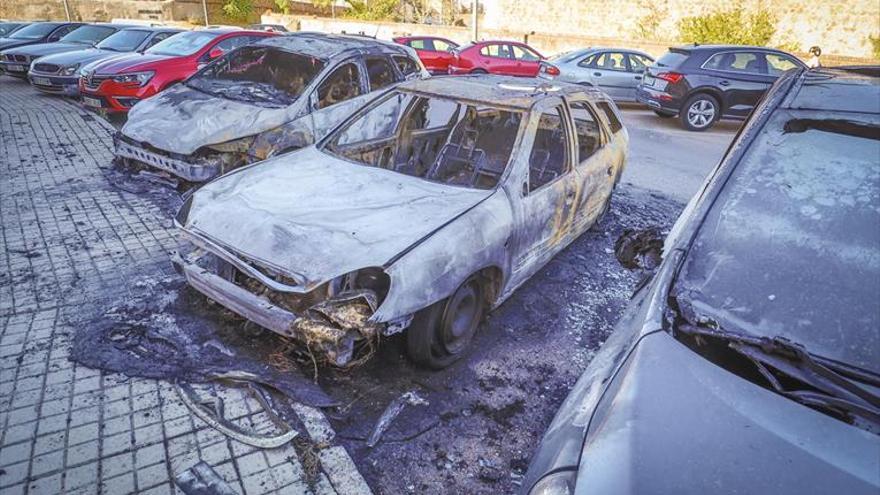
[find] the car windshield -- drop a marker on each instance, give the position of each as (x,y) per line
(7,27)
(259,74)
(791,246)
(88,35)
(34,31)
(436,139)
(124,41)
(182,44)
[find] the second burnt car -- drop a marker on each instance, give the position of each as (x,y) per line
(268,98)
(421,211)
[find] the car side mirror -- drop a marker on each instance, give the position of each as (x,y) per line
(214,53)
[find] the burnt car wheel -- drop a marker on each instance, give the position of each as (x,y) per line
(441,332)
(700,112)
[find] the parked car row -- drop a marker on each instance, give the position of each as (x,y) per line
(350,195)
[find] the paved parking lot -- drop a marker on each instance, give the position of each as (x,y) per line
(76,242)
(65,428)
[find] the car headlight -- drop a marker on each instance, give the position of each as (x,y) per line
(140,78)
(372,278)
(69,71)
(558,483)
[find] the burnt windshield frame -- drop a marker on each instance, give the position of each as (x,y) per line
(218,78)
(687,296)
(521,114)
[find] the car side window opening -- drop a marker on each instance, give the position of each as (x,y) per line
(422,44)
(777,64)
(496,50)
(589,61)
(405,65)
(343,84)
(442,46)
(735,62)
(64,31)
(521,53)
(437,139)
(380,73)
(612,61)
(638,63)
(613,120)
(589,135)
(548,159)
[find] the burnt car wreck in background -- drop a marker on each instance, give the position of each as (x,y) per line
(481,183)
(260,100)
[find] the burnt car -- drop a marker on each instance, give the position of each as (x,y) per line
(271,97)
(750,363)
(422,211)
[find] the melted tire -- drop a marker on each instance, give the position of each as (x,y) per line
(428,340)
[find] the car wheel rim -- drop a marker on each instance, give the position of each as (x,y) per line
(461,320)
(701,113)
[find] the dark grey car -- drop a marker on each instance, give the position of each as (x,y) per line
(751,361)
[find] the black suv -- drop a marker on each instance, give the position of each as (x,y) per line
(702,83)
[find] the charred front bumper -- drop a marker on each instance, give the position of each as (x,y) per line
(328,324)
(194,170)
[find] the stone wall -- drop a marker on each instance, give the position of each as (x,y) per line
(840,27)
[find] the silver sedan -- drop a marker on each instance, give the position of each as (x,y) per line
(615,71)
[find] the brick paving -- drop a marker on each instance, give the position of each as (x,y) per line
(66,232)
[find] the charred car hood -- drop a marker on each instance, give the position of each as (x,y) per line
(182,120)
(674,422)
(43,49)
(82,57)
(317,217)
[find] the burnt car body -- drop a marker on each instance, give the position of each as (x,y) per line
(60,73)
(423,210)
(267,98)
(749,363)
(17,61)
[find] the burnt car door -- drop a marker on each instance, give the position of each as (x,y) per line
(594,160)
(742,78)
(338,95)
(548,195)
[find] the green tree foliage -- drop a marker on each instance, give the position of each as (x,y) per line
(875,46)
(238,10)
(735,27)
(283,6)
(373,10)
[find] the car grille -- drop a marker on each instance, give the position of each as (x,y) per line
(92,81)
(16,58)
(46,68)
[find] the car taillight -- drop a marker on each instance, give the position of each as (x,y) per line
(550,70)
(670,77)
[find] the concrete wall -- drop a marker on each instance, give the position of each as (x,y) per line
(547,44)
(840,27)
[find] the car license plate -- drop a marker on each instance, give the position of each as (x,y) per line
(42,81)
(15,68)
(650,80)
(92,102)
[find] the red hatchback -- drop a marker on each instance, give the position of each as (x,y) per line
(118,83)
(497,57)
(435,53)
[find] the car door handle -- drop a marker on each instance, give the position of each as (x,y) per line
(598,74)
(725,83)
